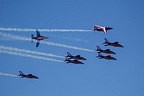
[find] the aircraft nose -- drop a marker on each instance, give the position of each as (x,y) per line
(37,77)
(85,59)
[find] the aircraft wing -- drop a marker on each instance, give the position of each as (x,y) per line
(38,33)
(104,30)
(37,44)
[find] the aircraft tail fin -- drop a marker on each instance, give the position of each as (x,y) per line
(99,54)
(66,59)
(98,48)
(95,28)
(106,41)
(21,73)
(69,55)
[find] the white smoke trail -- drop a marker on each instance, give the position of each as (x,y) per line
(29,56)
(15,37)
(80,40)
(48,43)
(43,30)
(66,46)
(73,39)
(30,52)
(5,74)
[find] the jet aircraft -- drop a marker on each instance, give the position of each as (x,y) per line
(77,57)
(101,28)
(108,57)
(38,37)
(72,61)
(30,76)
(115,44)
(106,51)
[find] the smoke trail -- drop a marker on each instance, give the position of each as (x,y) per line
(15,37)
(29,56)
(43,30)
(72,39)
(30,52)
(47,43)
(5,74)
(80,40)
(66,46)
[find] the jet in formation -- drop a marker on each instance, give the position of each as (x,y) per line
(38,37)
(114,44)
(106,51)
(77,57)
(108,57)
(67,60)
(101,28)
(30,76)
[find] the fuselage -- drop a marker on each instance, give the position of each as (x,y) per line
(30,76)
(101,28)
(107,51)
(116,45)
(107,57)
(77,62)
(113,44)
(74,61)
(40,38)
(78,58)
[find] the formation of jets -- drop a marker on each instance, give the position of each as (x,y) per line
(76,59)
(106,43)
(107,51)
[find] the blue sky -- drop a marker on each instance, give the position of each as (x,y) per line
(123,77)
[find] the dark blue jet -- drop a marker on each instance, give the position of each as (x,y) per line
(30,76)
(106,51)
(73,61)
(38,38)
(114,44)
(108,57)
(77,57)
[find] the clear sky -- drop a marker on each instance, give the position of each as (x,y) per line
(123,77)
